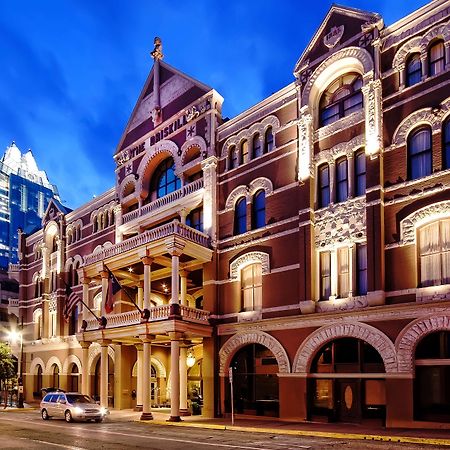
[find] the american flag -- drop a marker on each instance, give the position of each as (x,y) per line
(71,301)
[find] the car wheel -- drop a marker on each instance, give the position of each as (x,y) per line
(44,414)
(68,416)
(99,420)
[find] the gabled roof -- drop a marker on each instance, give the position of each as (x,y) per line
(54,207)
(167,71)
(350,15)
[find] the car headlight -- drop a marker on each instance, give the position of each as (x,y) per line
(103,411)
(78,410)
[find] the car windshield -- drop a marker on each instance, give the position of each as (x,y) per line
(79,398)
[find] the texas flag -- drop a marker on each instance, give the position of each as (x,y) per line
(113,288)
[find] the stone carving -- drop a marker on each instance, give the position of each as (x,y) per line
(373,116)
(247,134)
(249,258)
(240,340)
(34,366)
(410,336)
(332,38)
(54,360)
(341,124)
(410,223)
(71,359)
(340,222)
(260,183)
(413,45)
(305,143)
(361,55)
(437,32)
(127,184)
(157,53)
(316,340)
(196,141)
(365,40)
(344,148)
(345,304)
(248,192)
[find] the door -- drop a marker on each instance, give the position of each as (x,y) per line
(348,400)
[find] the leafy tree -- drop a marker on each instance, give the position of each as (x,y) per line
(7,366)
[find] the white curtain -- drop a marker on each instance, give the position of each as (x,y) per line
(343,272)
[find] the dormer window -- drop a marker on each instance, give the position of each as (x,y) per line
(342,97)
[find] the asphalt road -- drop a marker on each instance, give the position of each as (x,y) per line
(26,430)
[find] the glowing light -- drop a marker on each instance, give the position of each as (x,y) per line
(130,269)
(190,359)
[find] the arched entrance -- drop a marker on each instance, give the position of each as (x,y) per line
(97,377)
(347,382)
(55,376)
(431,383)
(73,379)
(38,381)
(255,382)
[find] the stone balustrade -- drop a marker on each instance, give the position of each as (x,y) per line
(157,313)
(163,201)
(166,230)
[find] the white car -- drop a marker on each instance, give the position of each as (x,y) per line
(71,406)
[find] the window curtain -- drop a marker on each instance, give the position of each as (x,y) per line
(325,275)
(343,272)
(430,258)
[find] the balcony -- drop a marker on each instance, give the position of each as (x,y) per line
(157,313)
(163,204)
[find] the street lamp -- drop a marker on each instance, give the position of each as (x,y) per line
(14,337)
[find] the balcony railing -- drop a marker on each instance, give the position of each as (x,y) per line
(157,313)
(169,229)
(163,201)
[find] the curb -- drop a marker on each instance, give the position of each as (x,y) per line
(322,434)
(17,410)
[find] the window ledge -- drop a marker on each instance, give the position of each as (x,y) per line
(341,124)
(249,316)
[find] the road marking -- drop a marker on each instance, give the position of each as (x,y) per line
(69,447)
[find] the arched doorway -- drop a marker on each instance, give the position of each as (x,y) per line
(347,382)
(38,381)
(55,376)
(255,382)
(73,381)
(431,383)
(97,377)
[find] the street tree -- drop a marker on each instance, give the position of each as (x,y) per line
(7,368)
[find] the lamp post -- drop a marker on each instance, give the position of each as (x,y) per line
(15,336)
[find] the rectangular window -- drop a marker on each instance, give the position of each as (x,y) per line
(325,275)
(23,198)
(342,180)
(360,173)
(324,186)
(251,285)
(437,58)
(361,267)
(343,272)
(244,152)
(41,204)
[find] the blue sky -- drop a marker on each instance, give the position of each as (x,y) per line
(71,70)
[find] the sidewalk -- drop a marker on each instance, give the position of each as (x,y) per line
(330,430)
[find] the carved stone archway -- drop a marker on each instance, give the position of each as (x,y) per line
(410,336)
(71,359)
(376,338)
(34,364)
(240,340)
(94,353)
(50,363)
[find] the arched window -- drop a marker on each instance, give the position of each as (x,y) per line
(251,287)
(240,216)
(434,253)
(195,219)
(419,153)
(94,224)
(324,185)
(436,58)
(165,181)
(233,158)
(268,140)
(446,144)
(55,376)
(413,69)
(360,173)
(75,273)
(341,180)
(259,210)
(55,244)
(342,97)
(257,149)
(243,158)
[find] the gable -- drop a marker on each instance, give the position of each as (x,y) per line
(340,25)
(177,91)
(53,209)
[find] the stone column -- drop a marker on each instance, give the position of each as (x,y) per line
(305,143)
(373,117)
(85,385)
(118,223)
(104,373)
(209,166)
(174,378)
(147,261)
(140,376)
(140,294)
(175,248)
(105,278)
(424,63)
(183,283)
(401,77)
(146,401)
(183,383)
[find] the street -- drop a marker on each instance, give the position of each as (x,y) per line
(26,430)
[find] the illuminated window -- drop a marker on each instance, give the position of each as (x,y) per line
(360,173)
(419,153)
(446,144)
(361,267)
(341,180)
(413,70)
(259,210)
(343,272)
(268,141)
(342,97)
(434,253)
(257,149)
(251,287)
(436,58)
(325,275)
(240,216)
(324,185)
(165,179)
(243,157)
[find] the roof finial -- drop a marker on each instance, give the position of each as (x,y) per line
(157,53)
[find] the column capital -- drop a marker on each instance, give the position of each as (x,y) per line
(146,338)
(85,344)
(184,273)
(175,246)
(209,163)
(139,347)
(147,260)
(175,336)
(104,274)
(104,342)
(84,280)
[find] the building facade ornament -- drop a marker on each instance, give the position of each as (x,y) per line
(94,353)
(196,141)
(305,144)
(367,333)
(411,46)
(342,304)
(343,149)
(333,37)
(249,258)
(248,191)
(240,340)
(411,335)
(344,123)
(71,359)
(54,360)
